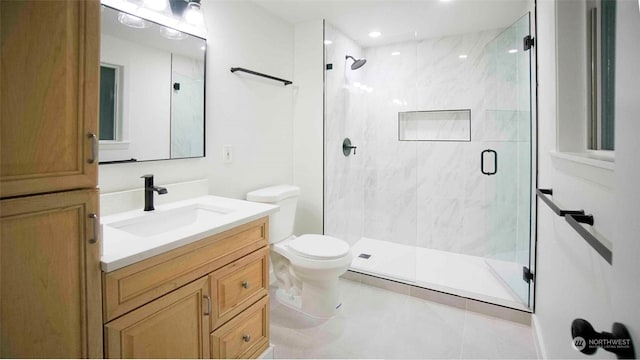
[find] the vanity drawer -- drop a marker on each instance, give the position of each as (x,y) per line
(238,285)
(137,284)
(245,336)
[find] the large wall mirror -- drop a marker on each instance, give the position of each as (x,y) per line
(152,86)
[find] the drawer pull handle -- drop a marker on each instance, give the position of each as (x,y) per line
(208,311)
(246,338)
(245,284)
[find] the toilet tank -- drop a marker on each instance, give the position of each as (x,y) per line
(280,223)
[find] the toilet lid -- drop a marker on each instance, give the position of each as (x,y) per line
(319,247)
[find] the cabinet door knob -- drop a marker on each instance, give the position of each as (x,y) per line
(245,284)
(246,338)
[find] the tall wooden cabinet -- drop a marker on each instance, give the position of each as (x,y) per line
(50,299)
(49,77)
(49,286)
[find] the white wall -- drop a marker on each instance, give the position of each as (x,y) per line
(572,280)
(308,133)
(626,272)
(253,115)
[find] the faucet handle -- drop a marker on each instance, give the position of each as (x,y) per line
(148,176)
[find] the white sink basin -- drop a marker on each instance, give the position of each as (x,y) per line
(156,223)
(133,236)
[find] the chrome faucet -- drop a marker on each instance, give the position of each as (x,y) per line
(148,192)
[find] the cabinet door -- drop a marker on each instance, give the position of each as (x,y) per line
(245,336)
(50,277)
(49,78)
(173,326)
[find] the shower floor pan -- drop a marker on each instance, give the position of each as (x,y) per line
(463,275)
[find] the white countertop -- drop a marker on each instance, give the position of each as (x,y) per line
(121,248)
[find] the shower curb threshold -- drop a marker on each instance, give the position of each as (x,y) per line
(458,301)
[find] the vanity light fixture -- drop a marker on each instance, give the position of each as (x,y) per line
(133,21)
(172,34)
(375,34)
(462,56)
(395,53)
(193,14)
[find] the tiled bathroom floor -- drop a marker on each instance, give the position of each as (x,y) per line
(376,323)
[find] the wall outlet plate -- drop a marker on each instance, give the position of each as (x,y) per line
(227,154)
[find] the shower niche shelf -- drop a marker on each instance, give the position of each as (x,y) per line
(435,125)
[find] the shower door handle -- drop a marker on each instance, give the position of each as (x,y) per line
(495,162)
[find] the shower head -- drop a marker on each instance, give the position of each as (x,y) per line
(357,63)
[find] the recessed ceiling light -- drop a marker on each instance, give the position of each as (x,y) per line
(395,53)
(375,34)
(328,42)
(462,56)
(513,51)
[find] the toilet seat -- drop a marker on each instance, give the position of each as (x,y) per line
(318,247)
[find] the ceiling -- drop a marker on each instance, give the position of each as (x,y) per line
(400,20)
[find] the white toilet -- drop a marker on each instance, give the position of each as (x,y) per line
(306,267)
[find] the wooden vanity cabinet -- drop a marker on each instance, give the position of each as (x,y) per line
(175,304)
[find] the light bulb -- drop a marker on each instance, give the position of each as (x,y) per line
(157,5)
(172,34)
(132,21)
(192,14)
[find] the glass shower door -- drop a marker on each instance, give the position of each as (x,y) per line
(508,163)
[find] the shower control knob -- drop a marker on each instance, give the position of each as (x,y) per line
(245,284)
(347,147)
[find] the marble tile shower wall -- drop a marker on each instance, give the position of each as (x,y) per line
(425,193)
(345,116)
